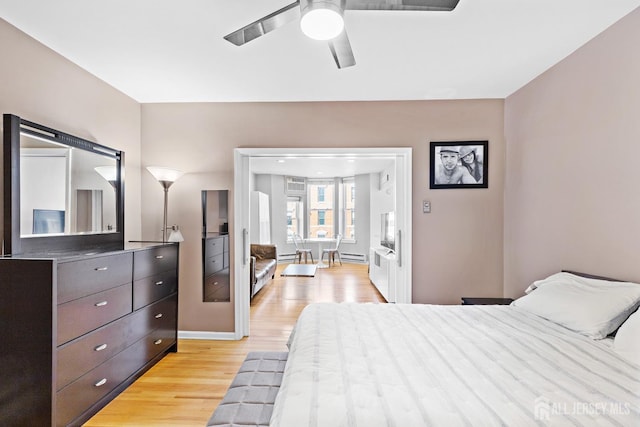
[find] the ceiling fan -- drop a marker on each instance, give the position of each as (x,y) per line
(322,20)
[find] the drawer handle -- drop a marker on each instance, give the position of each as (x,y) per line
(101,382)
(100,347)
(158,316)
(160,282)
(157,342)
(101,303)
(159,256)
(102,268)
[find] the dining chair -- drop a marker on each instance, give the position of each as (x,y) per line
(332,252)
(301,250)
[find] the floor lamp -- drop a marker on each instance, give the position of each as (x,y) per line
(166,177)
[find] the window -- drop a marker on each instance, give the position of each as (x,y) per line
(349,207)
(329,209)
(321,205)
(295,216)
(352,231)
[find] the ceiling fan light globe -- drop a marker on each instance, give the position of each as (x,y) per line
(322,24)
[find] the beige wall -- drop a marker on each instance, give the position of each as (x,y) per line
(457,249)
(570,195)
(571,192)
(41,86)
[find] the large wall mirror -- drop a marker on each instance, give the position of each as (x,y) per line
(63,192)
(215,246)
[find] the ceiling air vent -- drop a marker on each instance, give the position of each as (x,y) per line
(295,185)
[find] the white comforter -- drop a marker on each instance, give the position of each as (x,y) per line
(375,365)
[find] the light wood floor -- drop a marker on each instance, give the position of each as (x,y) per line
(185,387)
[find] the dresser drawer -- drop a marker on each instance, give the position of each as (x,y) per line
(81,394)
(161,314)
(154,288)
(221,278)
(82,355)
(77,279)
(214,246)
(213,264)
(155,260)
(86,314)
(216,286)
(158,341)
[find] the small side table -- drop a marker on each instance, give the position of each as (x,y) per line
(486,301)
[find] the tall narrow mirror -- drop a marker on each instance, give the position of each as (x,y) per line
(215,246)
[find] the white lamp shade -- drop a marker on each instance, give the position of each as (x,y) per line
(165,174)
(176,235)
(322,24)
(107,172)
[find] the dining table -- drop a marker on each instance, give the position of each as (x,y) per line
(321,242)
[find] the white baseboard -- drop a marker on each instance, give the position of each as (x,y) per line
(205,335)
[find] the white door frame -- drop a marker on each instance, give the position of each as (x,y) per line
(242,176)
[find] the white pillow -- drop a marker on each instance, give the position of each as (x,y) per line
(591,307)
(627,340)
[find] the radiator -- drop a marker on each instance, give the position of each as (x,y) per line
(351,256)
(287,257)
(346,256)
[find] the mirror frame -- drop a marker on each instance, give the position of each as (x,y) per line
(14,244)
(218,233)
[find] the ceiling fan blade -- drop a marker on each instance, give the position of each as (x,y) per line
(432,5)
(262,26)
(341,51)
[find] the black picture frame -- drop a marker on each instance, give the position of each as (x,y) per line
(446,153)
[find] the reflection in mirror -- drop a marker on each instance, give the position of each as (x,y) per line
(61,192)
(55,197)
(215,246)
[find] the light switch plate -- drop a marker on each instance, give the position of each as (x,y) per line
(426,206)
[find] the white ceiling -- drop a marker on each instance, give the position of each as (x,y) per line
(174,51)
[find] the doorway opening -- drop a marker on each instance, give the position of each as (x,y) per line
(390,175)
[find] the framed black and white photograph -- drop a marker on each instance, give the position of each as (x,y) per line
(459,164)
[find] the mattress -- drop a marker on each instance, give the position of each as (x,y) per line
(424,365)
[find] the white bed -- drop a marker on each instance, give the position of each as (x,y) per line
(375,365)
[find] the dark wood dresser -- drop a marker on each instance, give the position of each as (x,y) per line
(78,329)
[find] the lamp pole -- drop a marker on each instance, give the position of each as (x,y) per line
(165,185)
